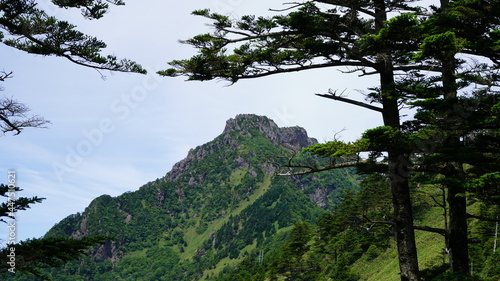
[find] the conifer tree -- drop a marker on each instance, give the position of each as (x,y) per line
(293,264)
(26,27)
(458,115)
(311,37)
(32,255)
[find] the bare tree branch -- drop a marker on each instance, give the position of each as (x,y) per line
(13,117)
(332,95)
(5,75)
(295,5)
(311,169)
(417,227)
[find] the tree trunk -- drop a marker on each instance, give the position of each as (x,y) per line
(457,245)
(398,161)
(399,174)
(457,234)
(403,218)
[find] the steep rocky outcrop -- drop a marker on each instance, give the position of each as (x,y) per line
(291,136)
(247,125)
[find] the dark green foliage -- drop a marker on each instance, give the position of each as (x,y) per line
(34,255)
(325,249)
(292,263)
(92,9)
(281,206)
(294,41)
(250,269)
(348,232)
(431,273)
(449,276)
(486,187)
(31,30)
(14,204)
(484,256)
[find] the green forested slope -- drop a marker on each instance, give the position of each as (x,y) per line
(214,208)
(352,243)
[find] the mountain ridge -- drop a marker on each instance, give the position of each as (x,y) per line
(295,136)
(243,124)
(222,201)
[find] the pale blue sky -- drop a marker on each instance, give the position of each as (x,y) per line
(112,136)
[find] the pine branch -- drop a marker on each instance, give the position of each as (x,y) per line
(482,218)
(334,96)
(417,227)
(431,229)
(295,5)
(292,69)
(311,169)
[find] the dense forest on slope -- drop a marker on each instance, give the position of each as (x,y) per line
(355,242)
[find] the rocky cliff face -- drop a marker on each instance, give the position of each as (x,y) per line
(290,136)
(247,125)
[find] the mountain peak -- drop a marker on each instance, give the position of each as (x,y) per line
(221,200)
(292,136)
(246,126)
(245,121)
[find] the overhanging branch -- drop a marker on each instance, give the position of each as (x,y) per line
(334,96)
(430,229)
(299,68)
(482,218)
(417,227)
(311,170)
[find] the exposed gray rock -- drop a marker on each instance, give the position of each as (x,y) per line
(294,138)
(290,136)
(319,197)
(108,251)
(83,231)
